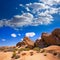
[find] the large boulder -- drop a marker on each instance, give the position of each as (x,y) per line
(20,44)
(53,38)
(26,42)
(48,39)
(39,43)
(56,33)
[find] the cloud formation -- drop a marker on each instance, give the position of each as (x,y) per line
(19,34)
(13,35)
(3,40)
(30,34)
(21,39)
(18,20)
(51,2)
(38,13)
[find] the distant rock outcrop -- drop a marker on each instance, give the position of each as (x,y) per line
(39,43)
(26,42)
(49,39)
(46,40)
(56,33)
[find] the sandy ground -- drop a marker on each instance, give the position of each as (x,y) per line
(39,56)
(35,56)
(54,47)
(5,55)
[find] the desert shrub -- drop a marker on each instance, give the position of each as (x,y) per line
(2,48)
(23,54)
(8,49)
(15,55)
(31,53)
(45,54)
(11,49)
(5,50)
(15,49)
(36,49)
(19,51)
(42,50)
(23,49)
(55,53)
(26,49)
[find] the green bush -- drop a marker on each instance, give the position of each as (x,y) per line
(24,49)
(15,55)
(42,50)
(36,49)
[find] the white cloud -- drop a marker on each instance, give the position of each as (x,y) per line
(27,9)
(21,39)
(37,14)
(21,5)
(3,40)
(26,19)
(19,34)
(51,2)
(1,23)
(13,35)
(16,8)
(37,6)
(20,20)
(30,34)
(44,20)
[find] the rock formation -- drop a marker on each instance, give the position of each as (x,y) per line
(26,42)
(46,40)
(56,33)
(39,43)
(49,39)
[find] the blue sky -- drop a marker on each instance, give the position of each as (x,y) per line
(19,18)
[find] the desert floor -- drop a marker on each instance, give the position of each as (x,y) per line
(35,56)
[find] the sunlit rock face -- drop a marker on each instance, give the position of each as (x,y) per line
(53,38)
(39,43)
(26,42)
(46,40)
(49,39)
(56,33)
